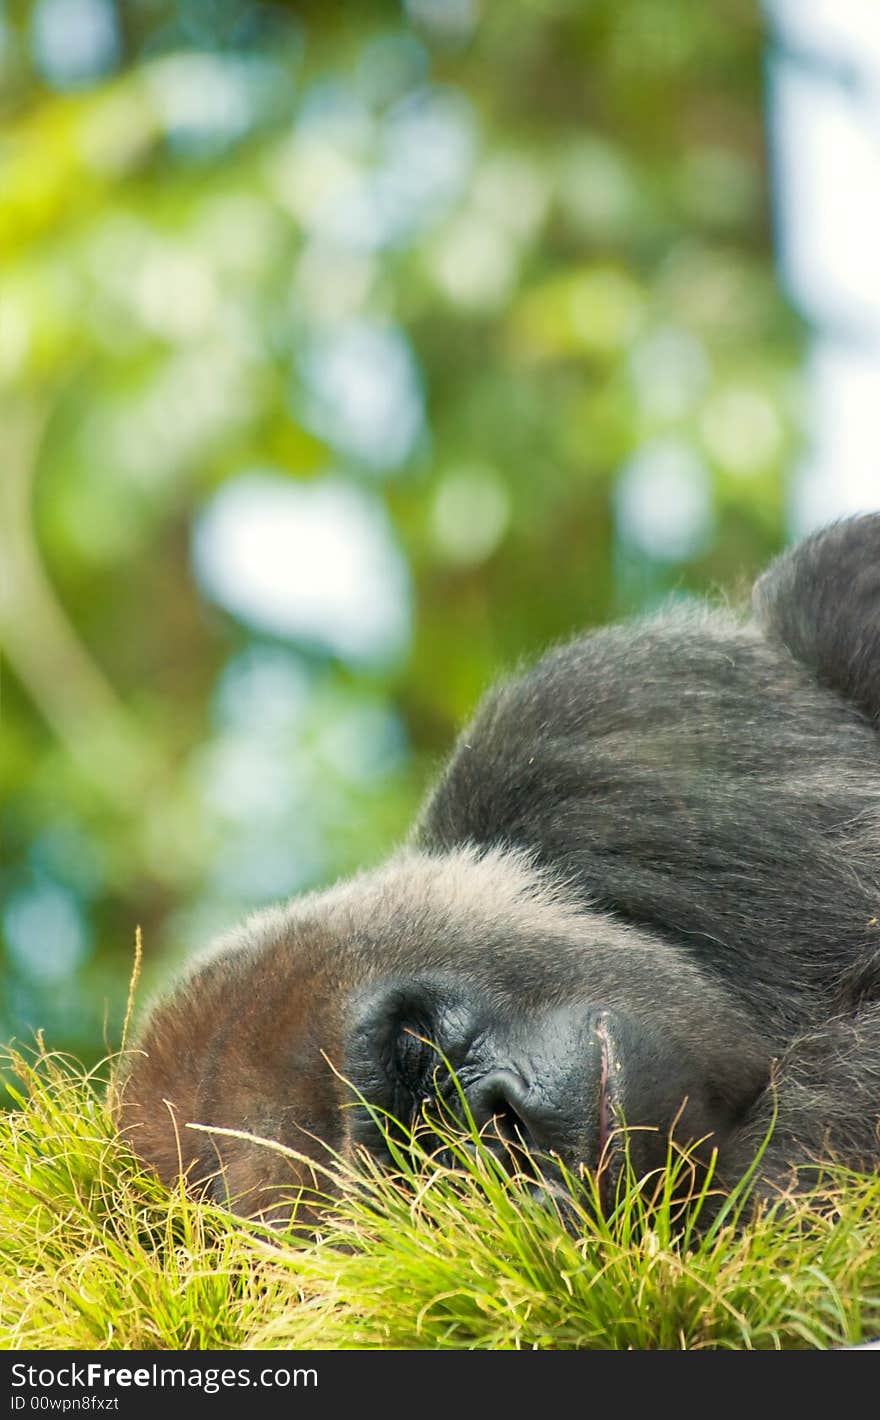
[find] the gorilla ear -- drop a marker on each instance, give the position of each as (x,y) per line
(822,601)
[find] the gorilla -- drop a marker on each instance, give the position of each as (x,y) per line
(645,892)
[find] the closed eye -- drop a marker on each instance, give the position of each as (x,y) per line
(414,1058)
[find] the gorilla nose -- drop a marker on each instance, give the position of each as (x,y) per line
(503,1105)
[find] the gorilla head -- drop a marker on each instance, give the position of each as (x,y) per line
(645,890)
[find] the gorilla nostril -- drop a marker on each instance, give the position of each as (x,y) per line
(499,1100)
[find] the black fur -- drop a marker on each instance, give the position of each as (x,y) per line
(647,887)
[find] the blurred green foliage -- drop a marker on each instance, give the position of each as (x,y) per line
(497,274)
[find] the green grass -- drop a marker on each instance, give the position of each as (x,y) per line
(95,1254)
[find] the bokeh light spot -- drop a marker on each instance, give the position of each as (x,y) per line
(313,562)
(663,501)
(469,514)
(45,932)
(364,392)
(74,41)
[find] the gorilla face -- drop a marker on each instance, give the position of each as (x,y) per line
(547,1054)
(644,892)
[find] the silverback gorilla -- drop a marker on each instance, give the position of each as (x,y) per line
(646,887)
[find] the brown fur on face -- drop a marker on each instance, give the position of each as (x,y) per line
(238,1048)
